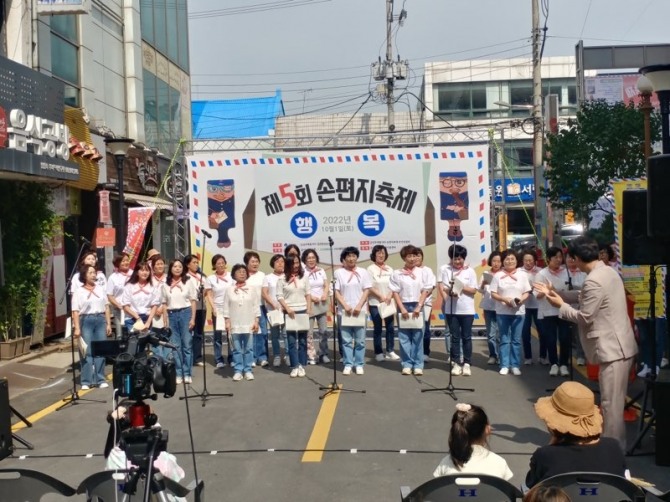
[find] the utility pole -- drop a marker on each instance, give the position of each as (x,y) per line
(538,175)
(390,70)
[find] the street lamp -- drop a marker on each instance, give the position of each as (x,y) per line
(118,147)
(645,87)
(659,76)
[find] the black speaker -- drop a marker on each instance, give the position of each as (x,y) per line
(637,247)
(6,445)
(658,186)
(662,408)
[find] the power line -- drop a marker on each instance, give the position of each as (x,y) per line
(261,7)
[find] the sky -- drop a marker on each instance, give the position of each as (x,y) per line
(319,52)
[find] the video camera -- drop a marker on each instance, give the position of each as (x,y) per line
(135,369)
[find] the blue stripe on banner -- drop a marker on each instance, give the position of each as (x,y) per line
(452,155)
(245,161)
(296,160)
(482,249)
(417,156)
(347,158)
(400,156)
(195,215)
(194,163)
(365,158)
(330,159)
(436,155)
(280,161)
(197,243)
(195,188)
(227,162)
(313,160)
(481,192)
(471,154)
(480,164)
(481,220)
(262,161)
(382,157)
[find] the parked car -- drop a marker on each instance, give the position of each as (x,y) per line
(571,231)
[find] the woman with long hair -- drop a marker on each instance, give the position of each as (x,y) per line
(140,298)
(91,320)
(241,310)
(255,281)
(215,291)
(115,284)
(88,258)
(159,275)
(319,289)
(179,300)
(192,266)
(293,294)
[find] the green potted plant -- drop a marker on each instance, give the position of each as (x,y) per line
(26,220)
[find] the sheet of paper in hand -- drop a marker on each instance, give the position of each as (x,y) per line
(354,321)
(299,323)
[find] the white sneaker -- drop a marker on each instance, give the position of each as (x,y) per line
(294,373)
(466,370)
(406,371)
(301,371)
(392,356)
(87,387)
(544,361)
(564,371)
(346,370)
(664,362)
(581,361)
(287,361)
(527,362)
(237,377)
(200,363)
(188,379)
(253,365)
(248,375)
(103,385)
(276,362)
(646,371)
(179,380)
(553,371)
(220,365)
(359,370)
(504,371)
(379,357)
(325,359)
(418,371)
(516,371)
(492,360)
(426,358)
(264,363)
(311,362)
(456,370)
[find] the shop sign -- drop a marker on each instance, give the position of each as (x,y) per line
(516,190)
(37,135)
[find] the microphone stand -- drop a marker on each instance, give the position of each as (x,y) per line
(450,389)
(334,387)
(205,394)
(73,398)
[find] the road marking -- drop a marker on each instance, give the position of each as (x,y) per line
(317,441)
(44,412)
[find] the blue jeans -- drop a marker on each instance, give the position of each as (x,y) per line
(460,327)
(277,333)
(93,329)
(261,339)
(217,342)
(353,344)
(510,340)
(377,331)
(529,319)
(297,348)
(243,352)
(411,343)
(198,334)
(490,319)
(645,339)
(554,328)
(182,339)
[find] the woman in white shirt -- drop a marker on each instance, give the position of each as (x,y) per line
(115,284)
(554,328)
(255,280)
(192,265)
(91,320)
(318,289)
(241,310)
(459,307)
(140,297)
(510,289)
(488,306)
(380,273)
(294,297)
(269,295)
(89,258)
(216,286)
(529,262)
(180,295)
(428,278)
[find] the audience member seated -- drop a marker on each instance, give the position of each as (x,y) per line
(468,451)
(546,494)
(575,425)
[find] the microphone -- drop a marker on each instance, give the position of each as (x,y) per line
(157,341)
(206,233)
(85,240)
(330,241)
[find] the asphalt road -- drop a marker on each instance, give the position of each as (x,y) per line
(257,444)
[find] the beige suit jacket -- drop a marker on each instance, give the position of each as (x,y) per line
(602,317)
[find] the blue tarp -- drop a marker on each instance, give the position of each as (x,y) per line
(236,118)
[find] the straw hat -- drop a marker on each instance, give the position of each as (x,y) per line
(571,409)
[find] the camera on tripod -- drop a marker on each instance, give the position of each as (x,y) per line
(136,370)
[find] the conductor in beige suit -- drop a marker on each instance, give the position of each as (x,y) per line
(604,330)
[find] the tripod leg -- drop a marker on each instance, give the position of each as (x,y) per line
(25,443)
(20,417)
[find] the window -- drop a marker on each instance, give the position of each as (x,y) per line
(164,25)
(65,56)
(150,109)
(147,21)
(160,26)
(182,20)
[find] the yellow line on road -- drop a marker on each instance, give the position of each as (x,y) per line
(319,438)
(44,412)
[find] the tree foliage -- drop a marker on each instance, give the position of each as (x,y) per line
(606,142)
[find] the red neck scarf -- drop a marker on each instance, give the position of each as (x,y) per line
(353,273)
(91,291)
(409,272)
(221,277)
(141,289)
(241,286)
(509,274)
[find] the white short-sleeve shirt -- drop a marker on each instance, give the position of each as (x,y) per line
(351,284)
(464,304)
(512,285)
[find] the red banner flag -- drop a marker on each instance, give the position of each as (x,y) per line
(104,208)
(138,217)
